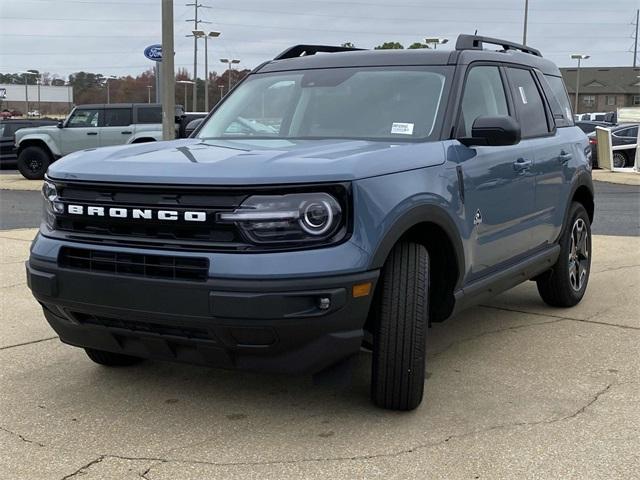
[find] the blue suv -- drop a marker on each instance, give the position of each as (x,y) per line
(335,200)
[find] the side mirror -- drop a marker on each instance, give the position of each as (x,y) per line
(60,124)
(493,131)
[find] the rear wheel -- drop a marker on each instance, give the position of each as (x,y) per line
(111,359)
(619,160)
(565,283)
(33,162)
(400,328)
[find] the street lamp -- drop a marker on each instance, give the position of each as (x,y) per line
(435,41)
(149,93)
(26,90)
(110,77)
(230,63)
(198,34)
(579,57)
(185,83)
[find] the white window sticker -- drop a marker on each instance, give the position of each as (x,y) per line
(402,128)
(522,95)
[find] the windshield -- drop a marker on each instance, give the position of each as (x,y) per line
(399,103)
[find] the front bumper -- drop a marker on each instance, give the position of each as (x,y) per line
(262,325)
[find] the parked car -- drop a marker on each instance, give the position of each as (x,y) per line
(5,114)
(8,128)
(329,202)
(89,126)
(187,118)
(588,126)
(192,126)
(624,138)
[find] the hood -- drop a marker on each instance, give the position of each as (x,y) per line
(29,130)
(234,162)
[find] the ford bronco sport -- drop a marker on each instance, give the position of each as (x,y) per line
(335,199)
(88,126)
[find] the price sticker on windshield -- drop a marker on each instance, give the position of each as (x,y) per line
(402,128)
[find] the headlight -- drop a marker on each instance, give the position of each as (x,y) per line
(297,217)
(51,203)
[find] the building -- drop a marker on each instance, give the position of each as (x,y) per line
(603,89)
(45,98)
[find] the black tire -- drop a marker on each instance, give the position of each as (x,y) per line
(566,282)
(111,359)
(400,329)
(620,160)
(33,162)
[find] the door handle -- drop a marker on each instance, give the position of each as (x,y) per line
(522,165)
(564,157)
(92,133)
(126,132)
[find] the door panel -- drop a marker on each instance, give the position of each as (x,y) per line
(498,181)
(117,127)
(81,131)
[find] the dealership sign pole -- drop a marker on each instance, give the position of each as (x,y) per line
(154,53)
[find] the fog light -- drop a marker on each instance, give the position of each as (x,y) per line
(324,303)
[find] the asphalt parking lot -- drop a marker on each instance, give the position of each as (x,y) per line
(516,389)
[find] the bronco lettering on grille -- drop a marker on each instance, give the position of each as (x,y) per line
(137,213)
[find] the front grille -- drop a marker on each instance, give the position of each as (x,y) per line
(142,265)
(134,231)
(209,235)
(134,326)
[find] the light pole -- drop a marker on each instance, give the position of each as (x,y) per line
(229,63)
(149,93)
(26,90)
(526,21)
(435,41)
(110,77)
(185,83)
(201,33)
(579,57)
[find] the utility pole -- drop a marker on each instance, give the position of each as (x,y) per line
(168,73)
(635,48)
(526,20)
(196,22)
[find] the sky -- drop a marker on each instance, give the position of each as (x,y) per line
(109,36)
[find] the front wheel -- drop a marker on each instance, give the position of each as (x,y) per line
(33,162)
(565,283)
(400,329)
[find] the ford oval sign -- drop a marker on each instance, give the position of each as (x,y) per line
(153,52)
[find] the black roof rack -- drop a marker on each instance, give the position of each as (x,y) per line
(474,42)
(303,50)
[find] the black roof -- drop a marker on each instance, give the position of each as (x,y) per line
(469,49)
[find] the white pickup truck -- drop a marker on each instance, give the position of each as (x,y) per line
(89,126)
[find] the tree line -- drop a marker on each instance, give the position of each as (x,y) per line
(91,87)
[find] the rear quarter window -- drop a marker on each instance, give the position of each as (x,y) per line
(558,92)
(149,115)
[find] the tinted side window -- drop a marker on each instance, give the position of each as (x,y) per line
(483,95)
(560,93)
(528,102)
(149,115)
(117,117)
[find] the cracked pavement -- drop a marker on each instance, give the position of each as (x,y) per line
(516,389)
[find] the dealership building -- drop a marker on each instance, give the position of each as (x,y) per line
(48,99)
(603,89)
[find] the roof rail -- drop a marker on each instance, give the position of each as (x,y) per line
(303,50)
(475,42)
